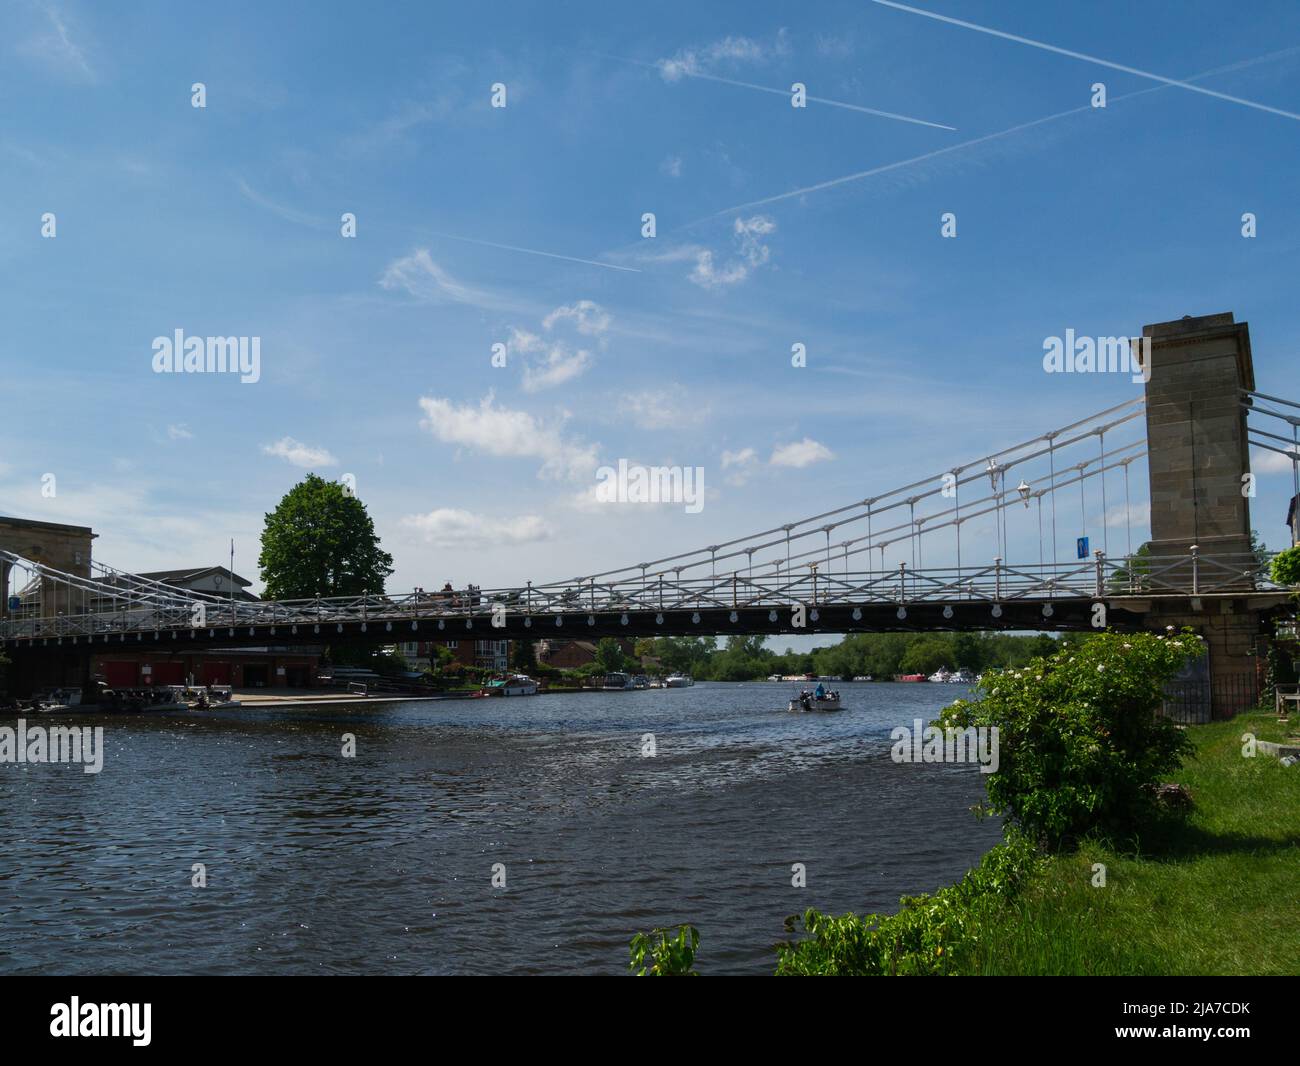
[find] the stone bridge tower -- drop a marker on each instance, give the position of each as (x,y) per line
(57,546)
(1198,454)
(1196,430)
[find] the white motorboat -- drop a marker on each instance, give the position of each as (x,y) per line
(511,685)
(808,701)
(679,681)
(618,682)
(61,701)
(961,677)
(940,676)
(864,677)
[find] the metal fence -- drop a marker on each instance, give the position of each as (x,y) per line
(1195,702)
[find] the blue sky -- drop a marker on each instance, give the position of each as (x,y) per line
(375,351)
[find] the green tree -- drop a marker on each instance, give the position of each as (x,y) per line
(926,656)
(320,541)
(524,656)
(609,656)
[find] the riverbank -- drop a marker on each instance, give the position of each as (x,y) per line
(1213,895)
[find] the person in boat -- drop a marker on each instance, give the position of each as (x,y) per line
(821,691)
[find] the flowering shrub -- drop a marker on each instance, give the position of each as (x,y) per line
(931,934)
(1081,747)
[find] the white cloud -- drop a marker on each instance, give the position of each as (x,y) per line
(751,253)
(449,527)
(55,48)
(742,464)
(299,454)
(418,275)
(289,214)
(522,342)
(503,432)
(672,166)
(1263,461)
(670,408)
(800,453)
(552,361)
(1138,514)
(180,431)
(730,51)
(559,365)
(588,317)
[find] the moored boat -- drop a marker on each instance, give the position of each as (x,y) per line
(511,685)
(679,681)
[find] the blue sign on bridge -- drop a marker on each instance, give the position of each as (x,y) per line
(1082,547)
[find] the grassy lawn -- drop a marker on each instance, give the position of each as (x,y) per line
(1219,894)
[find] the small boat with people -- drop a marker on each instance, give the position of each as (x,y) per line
(819,699)
(202,698)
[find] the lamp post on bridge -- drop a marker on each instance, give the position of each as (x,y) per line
(993,470)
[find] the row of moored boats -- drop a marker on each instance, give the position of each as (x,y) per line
(523,685)
(150,699)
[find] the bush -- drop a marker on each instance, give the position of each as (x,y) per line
(931,934)
(1079,744)
(667,958)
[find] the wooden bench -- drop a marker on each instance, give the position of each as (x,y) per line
(1286,699)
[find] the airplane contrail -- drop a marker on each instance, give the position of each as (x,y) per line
(986,137)
(785,93)
(534,251)
(1172,82)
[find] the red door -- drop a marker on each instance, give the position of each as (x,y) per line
(169,673)
(120,674)
(214,674)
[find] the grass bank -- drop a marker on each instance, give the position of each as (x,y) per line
(1218,893)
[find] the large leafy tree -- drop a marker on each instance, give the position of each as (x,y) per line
(609,656)
(321,542)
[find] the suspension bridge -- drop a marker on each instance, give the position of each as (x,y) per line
(896,560)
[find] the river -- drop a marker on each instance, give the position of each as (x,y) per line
(383,863)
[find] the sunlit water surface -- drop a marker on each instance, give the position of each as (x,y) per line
(383,863)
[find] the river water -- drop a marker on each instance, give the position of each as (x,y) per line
(383,863)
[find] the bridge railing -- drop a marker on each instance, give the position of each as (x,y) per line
(1186,575)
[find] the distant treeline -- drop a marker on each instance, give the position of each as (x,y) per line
(878,655)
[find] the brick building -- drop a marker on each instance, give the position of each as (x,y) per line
(484,654)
